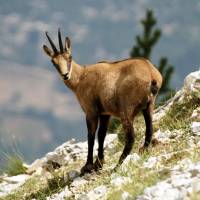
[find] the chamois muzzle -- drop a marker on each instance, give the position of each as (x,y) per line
(65,76)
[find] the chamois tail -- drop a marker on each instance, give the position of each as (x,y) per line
(154,87)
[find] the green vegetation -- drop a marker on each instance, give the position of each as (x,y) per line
(195,196)
(13,165)
(38,187)
(41,186)
(178,116)
(113,126)
(141,178)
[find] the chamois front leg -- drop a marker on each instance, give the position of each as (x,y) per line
(92,123)
(103,126)
(129,139)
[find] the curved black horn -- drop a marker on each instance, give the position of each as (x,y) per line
(51,42)
(60,41)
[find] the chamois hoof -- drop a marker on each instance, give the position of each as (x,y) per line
(143,149)
(98,164)
(87,169)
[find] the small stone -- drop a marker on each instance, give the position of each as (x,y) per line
(157,189)
(198,144)
(35,165)
(195,172)
(196,115)
(72,141)
(73,174)
(192,83)
(196,186)
(190,143)
(51,155)
(178,182)
(110,141)
(185,163)
(17,179)
(161,135)
(151,162)
(39,171)
(120,181)
(78,182)
(65,194)
(11,183)
(165,193)
(130,160)
(126,196)
(195,127)
(95,194)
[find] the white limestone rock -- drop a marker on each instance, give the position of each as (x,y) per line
(161,111)
(11,183)
(190,143)
(73,174)
(185,164)
(79,181)
(65,194)
(37,164)
(126,196)
(196,115)
(120,180)
(192,83)
(152,162)
(183,181)
(98,193)
(161,191)
(179,182)
(162,137)
(195,127)
(196,186)
(130,160)
(110,141)
(56,157)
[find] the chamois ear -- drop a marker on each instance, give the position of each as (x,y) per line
(48,51)
(68,47)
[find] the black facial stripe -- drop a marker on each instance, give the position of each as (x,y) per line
(56,66)
(69,61)
(68,65)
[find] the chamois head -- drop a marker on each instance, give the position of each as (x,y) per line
(61,59)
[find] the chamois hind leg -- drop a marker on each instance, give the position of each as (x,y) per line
(103,126)
(92,123)
(129,139)
(147,113)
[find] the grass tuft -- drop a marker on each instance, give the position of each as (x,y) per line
(13,165)
(179,114)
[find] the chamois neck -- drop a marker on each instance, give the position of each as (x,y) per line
(76,73)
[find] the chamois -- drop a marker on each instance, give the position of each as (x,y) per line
(121,89)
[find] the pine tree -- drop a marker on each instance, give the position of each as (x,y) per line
(144,46)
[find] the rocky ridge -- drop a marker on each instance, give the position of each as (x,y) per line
(170,170)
